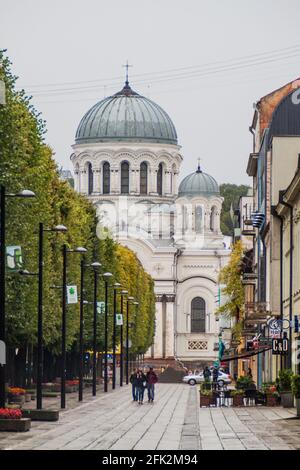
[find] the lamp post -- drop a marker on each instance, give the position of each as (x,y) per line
(106,276)
(39,376)
(123,293)
(129,299)
(117,285)
(95,265)
(65,250)
(22,194)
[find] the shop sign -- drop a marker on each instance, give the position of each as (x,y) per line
(280,346)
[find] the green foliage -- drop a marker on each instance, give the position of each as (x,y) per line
(231,194)
(231,277)
(27,163)
(285,380)
(296,385)
(244,382)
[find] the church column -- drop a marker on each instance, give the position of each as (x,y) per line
(158,343)
(167,182)
(169,350)
(114,180)
(83,180)
(96,180)
(153,181)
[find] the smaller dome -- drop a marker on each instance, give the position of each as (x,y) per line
(198,183)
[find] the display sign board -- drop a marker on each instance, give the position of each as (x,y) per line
(100,307)
(2,353)
(14,260)
(280,346)
(119,319)
(72,297)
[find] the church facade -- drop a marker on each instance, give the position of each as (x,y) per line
(127,161)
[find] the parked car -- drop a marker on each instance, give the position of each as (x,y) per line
(197,378)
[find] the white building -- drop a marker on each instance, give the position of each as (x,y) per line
(127,160)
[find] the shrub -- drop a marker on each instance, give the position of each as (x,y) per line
(244,382)
(10,414)
(238,392)
(285,380)
(296,385)
(16,391)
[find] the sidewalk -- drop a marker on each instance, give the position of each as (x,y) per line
(173,422)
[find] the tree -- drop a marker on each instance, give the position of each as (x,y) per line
(233,290)
(231,194)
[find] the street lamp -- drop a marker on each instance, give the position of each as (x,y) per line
(22,194)
(129,299)
(95,266)
(117,286)
(106,276)
(123,293)
(65,250)
(39,376)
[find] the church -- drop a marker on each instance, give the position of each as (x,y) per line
(127,160)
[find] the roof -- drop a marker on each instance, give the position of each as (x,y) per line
(198,183)
(126,116)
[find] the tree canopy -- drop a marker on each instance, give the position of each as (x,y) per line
(231,194)
(27,162)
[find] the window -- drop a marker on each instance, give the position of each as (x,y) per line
(159,179)
(90,178)
(198,219)
(143,178)
(106,178)
(124,178)
(198,315)
(213,219)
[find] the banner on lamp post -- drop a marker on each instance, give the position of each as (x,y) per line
(72,297)
(14,260)
(100,307)
(119,319)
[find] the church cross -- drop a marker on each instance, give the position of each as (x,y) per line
(199,167)
(127,67)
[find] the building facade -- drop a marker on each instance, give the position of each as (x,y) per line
(272,163)
(127,161)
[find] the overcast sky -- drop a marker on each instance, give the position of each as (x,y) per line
(69,54)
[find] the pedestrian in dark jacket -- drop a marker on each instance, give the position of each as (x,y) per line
(141,384)
(151,381)
(206,373)
(133,384)
(215,374)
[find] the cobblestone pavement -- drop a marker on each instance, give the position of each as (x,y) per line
(174,421)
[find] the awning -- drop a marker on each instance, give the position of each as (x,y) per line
(245,354)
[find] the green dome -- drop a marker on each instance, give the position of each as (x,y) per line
(198,183)
(126,117)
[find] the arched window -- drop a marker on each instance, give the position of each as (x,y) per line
(160,179)
(198,315)
(90,178)
(124,178)
(213,219)
(106,178)
(143,178)
(198,219)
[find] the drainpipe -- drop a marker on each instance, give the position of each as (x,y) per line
(253,133)
(289,206)
(274,213)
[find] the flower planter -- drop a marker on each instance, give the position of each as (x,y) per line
(16,399)
(205,400)
(287,399)
(27,397)
(298,407)
(15,425)
(41,415)
(238,400)
(271,400)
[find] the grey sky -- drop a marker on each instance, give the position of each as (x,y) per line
(57,42)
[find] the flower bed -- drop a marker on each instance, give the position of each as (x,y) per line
(16,395)
(11,420)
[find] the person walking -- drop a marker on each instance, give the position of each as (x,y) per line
(206,373)
(151,381)
(134,384)
(141,384)
(215,374)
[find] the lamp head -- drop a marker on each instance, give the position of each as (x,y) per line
(59,228)
(25,193)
